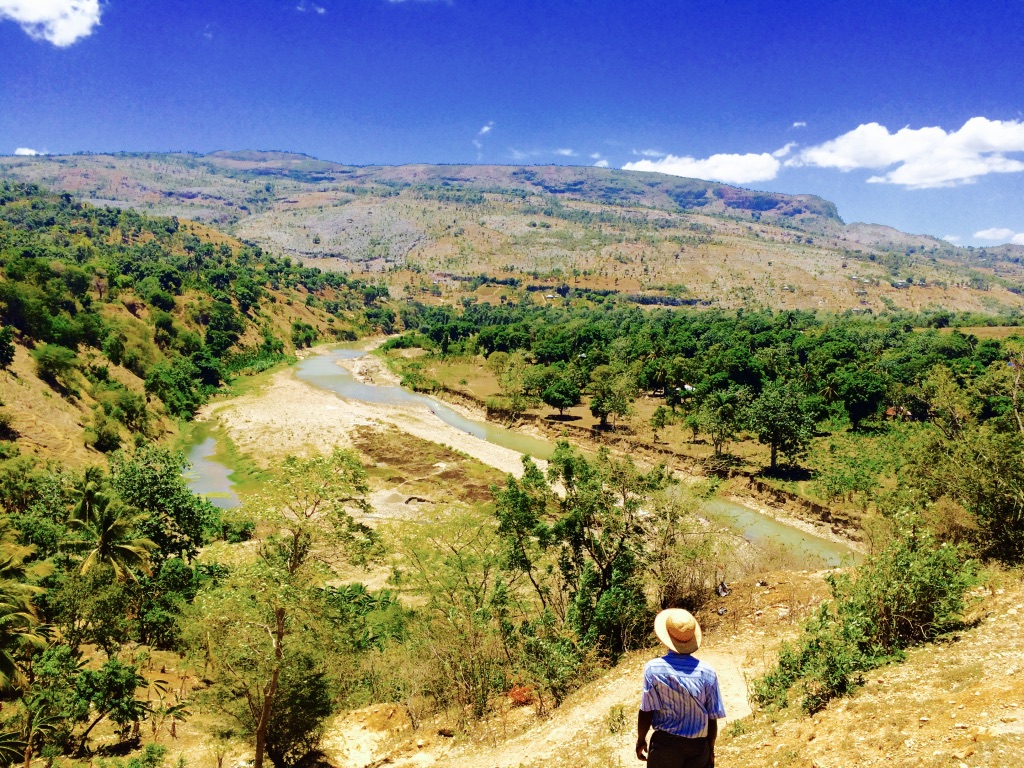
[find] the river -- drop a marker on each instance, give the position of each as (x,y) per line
(210,478)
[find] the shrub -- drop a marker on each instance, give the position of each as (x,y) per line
(6,346)
(54,363)
(103,435)
(909,594)
(302,705)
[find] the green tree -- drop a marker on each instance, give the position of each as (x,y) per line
(258,620)
(781,422)
(109,692)
(19,621)
(720,415)
(109,531)
(597,526)
(660,419)
(561,393)
(862,392)
(612,393)
(6,346)
(54,363)
(178,521)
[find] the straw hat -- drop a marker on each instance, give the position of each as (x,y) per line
(678,630)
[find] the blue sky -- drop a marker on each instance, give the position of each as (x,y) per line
(904,113)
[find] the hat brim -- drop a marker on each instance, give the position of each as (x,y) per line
(661,630)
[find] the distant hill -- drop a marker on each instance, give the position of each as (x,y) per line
(644,234)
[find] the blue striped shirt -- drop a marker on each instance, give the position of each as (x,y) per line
(683,694)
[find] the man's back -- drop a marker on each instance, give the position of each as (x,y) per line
(683,694)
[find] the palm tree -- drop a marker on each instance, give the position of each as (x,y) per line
(90,485)
(108,536)
(19,623)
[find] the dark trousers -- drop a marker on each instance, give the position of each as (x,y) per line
(668,751)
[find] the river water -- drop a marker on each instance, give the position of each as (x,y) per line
(322,370)
(208,477)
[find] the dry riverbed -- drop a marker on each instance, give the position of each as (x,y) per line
(289,416)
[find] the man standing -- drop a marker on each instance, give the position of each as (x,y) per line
(681,699)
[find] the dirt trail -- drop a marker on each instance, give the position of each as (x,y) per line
(591,710)
(361,738)
(595,726)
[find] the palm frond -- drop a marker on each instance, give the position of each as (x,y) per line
(12,747)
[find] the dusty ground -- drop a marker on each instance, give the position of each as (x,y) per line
(49,423)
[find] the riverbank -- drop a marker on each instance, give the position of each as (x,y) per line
(326,401)
(740,488)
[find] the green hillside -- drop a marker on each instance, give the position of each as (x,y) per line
(131,319)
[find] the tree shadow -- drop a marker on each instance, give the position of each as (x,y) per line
(562,418)
(120,748)
(872,428)
(723,465)
(789,472)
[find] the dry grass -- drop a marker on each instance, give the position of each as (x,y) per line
(411,466)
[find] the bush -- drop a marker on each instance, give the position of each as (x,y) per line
(54,363)
(6,346)
(7,431)
(302,705)
(103,435)
(161,300)
(909,594)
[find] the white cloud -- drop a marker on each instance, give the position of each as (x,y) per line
(924,157)
(595,155)
(26,152)
(601,164)
(800,124)
(61,22)
(1000,234)
(995,233)
(305,6)
(486,129)
(566,152)
(952,239)
(648,153)
(732,169)
(783,151)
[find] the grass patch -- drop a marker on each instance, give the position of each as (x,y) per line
(420,466)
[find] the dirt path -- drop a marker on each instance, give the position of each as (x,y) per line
(359,738)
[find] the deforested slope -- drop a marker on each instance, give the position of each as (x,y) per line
(662,238)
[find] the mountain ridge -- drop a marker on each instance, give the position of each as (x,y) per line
(615,230)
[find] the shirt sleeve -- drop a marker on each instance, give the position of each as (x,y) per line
(650,701)
(715,705)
